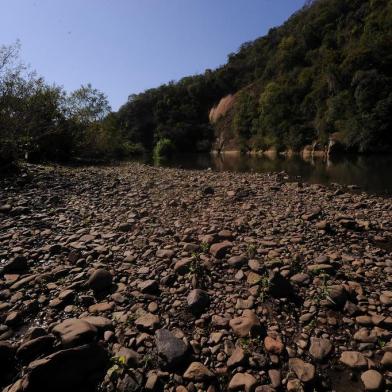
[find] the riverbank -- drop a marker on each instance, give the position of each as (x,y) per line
(144,278)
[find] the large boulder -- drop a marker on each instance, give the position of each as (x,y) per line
(77,369)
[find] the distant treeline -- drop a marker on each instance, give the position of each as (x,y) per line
(41,122)
(327,70)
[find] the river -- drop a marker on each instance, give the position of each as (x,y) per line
(372,174)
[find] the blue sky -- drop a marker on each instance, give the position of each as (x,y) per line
(126,46)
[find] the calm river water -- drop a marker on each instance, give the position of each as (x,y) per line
(371,173)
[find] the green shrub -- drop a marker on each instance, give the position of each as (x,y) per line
(164,149)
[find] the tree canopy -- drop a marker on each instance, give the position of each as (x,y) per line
(327,70)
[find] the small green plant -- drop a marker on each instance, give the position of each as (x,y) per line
(163,149)
(264,287)
(249,344)
(251,251)
(196,266)
(381,343)
(317,272)
(296,266)
(204,247)
(117,369)
(198,270)
(312,324)
(323,292)
(148,360)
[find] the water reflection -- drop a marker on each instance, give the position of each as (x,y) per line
(371,173)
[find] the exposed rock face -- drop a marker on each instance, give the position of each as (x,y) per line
(221,109)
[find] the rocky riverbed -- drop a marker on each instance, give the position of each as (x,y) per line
(134,278)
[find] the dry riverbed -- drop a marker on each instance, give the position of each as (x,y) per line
(134,278)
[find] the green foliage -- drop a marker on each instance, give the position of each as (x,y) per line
(245,118)
(40,122)
(326,70)
(164,149)
(87,105)
(117,369)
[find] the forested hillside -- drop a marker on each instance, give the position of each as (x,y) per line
(327,70)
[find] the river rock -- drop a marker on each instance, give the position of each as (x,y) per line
(304,371)
(100,280)
(242,382)
(31,349)
(148,322)
(198,372)
(197,301)
(149,287)
(372,380)
(247,324)
(386,360)
(219,250)
(73,332)
(273,346)
(171,349)
(237,358)
(320,348)
(354,359)
(131,358)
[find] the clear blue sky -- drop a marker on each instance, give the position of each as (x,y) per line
(126,46)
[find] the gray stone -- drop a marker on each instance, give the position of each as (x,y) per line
(171,349)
